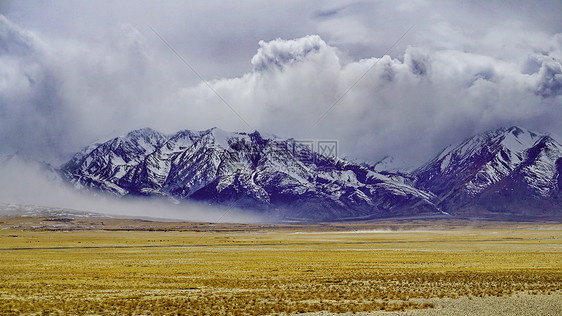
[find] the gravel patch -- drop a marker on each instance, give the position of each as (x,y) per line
(520,304)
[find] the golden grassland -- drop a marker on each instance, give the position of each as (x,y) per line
(139,267)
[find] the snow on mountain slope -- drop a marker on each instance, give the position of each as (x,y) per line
(463,177)
(479,161)
(386,164)
(100,165)
(540,170)
(245,170)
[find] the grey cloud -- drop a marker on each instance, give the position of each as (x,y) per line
(331,12)
(456,73)
(418,61)
(54,97)
(30,92)
(14,40)
(550,79)
(531,65)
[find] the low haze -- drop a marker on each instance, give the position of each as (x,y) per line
(28,184)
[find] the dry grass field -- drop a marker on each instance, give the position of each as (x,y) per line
(131,267)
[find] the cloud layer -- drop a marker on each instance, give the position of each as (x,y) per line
(444,81)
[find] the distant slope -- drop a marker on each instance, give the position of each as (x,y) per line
(507,172)
(19,210)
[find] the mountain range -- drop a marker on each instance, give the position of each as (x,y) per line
(509,173)
(244,170)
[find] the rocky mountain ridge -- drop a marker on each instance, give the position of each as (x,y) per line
(509,171)
(244,170)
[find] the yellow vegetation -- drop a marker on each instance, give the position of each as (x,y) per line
(269,271)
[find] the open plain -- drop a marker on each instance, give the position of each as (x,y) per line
(130,267)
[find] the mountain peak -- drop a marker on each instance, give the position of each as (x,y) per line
(483,171)
(220,136)
(515,130)
(517,140)
(144,130)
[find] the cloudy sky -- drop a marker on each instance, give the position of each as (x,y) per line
(401,78)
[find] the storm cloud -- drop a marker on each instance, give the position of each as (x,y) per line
(316,71)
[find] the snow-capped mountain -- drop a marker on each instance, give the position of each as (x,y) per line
(506,171)
(247,170)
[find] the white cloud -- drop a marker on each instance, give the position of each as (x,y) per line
(409,106)
(278,53)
